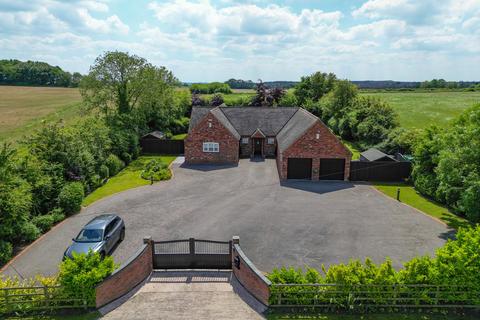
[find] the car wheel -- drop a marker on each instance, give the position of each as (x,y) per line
(102,255)
(122,235)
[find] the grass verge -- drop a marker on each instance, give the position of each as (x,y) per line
(126,179)
(180,136)
(410,196)
(388,316)
(86,316)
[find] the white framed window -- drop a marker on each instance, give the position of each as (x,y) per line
(270,140)
(245,140)
(211,147)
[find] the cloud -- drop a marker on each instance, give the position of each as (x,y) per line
(108,25)
(239,19)
(215,40)
(50,16)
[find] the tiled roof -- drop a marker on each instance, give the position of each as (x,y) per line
(294,128)
(246,120)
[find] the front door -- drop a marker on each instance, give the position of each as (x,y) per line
(257,146)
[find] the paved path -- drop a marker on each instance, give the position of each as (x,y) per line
(294,223)
(187,295)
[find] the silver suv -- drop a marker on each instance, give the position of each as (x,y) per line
(100,235)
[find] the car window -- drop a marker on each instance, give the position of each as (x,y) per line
(109,228)
(89,235)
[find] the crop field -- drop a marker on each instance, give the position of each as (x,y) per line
(418,109)
(23,109)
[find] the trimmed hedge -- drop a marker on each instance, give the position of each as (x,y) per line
(455,266)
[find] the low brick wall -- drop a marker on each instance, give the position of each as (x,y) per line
(248,275)
(127,277)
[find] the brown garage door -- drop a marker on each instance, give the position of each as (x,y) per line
(299,168)
(332,169)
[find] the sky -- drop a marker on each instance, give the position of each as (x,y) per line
(202,41)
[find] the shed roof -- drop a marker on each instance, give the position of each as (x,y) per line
(374,154)
(155,134)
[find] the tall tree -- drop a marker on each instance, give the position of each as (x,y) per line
(120,80)
(314,86)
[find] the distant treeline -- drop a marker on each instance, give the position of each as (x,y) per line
(249,84)
(365,84)
(35,73)
(208,88)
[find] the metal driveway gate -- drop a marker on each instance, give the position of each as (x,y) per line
(192,254)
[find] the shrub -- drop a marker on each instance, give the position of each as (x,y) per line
(456,264)
(104,172)
(156,171)
(114,164)
(57,215)
(6,251)
(216,100)
(43,223)
(126,157)
(180,125)
(71,197)
(82,273)
(29,231)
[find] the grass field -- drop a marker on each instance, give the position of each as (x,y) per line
(409,196)
(418,109)
(23,109)
(126,179)
(388,316)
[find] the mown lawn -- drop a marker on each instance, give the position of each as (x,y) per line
(126,179)
(87,316)
(24,109)
(410,196)
(418,109)
(389,316)
(180,136)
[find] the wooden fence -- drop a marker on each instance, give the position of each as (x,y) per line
(38,298)
(392,296)
(380,171)
(162,146)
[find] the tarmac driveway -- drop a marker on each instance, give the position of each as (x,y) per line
(295,223)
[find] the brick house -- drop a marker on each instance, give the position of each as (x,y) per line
(303,146)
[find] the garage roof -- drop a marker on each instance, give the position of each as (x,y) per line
(301,121)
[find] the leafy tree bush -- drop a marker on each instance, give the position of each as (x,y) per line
(29,231)
(400,140)
(180,125)
(6,251)
(80,275)
(43,223)
(454,264)
(36,73)
(314,87)
(71,197)
(156,171)
(209,88)
(447,164)
(216,100)
(114,164)
(57,215)
(265,96)
(104,172)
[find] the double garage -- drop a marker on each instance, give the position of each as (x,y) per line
(303,168)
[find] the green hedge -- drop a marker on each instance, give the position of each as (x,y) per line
(451,277)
